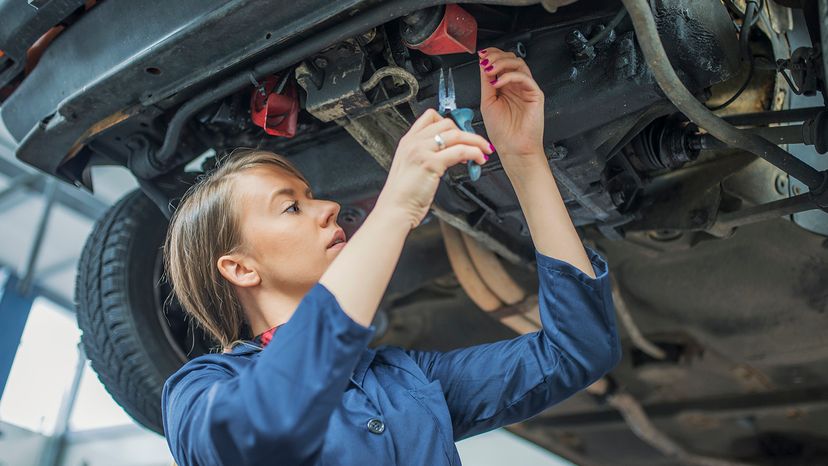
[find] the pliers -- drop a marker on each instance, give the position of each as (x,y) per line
(462,116)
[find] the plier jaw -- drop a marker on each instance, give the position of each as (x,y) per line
(446,96)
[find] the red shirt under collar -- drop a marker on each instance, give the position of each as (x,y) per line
(264,338)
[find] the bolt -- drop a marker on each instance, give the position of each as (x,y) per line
(368,36)
(618,197)
(576,41)
(320,62)
(573,73)
(520,50)
(781,184)
(578,45)
(557,153)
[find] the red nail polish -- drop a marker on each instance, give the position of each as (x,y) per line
(491,147)
(488,68)
(484,62)
(482,51)
(493,81)
(486,157)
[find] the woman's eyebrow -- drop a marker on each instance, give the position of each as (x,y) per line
(288,192)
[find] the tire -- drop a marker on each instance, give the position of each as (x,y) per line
(132,341)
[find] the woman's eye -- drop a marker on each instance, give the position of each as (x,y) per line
(294,205)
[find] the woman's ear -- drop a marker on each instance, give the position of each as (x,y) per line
(232,268)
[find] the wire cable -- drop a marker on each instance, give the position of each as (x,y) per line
(616,20)
(738,92)
(740,14)
(751,16)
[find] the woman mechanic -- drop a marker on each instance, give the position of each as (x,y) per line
(250,245)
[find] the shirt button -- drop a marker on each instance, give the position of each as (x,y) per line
(375,426)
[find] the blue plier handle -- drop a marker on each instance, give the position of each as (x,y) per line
(462,116)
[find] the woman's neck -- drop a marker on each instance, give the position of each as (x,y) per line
(266,308)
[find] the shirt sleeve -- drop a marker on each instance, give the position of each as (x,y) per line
(275,410)
(496,384)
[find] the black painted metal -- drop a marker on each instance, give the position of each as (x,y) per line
(317,42)
(791,134)
(21,25)
(128,82)
(616,73)
(768,211)
(177,38)
(666,143)
(418,26)
(590,102)
(780,116)
(651,44)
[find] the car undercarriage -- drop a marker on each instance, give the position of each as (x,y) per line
(686,137)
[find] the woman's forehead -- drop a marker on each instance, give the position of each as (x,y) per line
(260,182)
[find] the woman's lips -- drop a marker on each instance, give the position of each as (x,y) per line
(338,245)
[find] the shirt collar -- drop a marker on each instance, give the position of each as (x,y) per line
(257,343)
(254,346)
(365,360)
(264,338)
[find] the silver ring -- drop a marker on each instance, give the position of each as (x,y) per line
(440,143)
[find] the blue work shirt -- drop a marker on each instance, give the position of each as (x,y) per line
(317,395)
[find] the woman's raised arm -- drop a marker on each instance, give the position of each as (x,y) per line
(360,274)
(496,384)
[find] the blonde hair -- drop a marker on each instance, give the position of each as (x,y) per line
(204,227)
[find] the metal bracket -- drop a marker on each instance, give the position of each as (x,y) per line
(338,92)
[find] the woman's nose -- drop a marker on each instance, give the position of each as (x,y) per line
(330,212)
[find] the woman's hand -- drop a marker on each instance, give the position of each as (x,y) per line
(512,106)
(420,162)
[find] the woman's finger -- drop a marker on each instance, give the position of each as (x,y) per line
(428,117)
(446,124)
(456,136)
(494,53)
(521,80)
(504,65)
(455,154)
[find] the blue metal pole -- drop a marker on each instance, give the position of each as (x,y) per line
(14,310)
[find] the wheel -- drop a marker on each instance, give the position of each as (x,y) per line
(132,340)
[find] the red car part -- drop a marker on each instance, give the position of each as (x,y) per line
(456,32)
(275,111)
